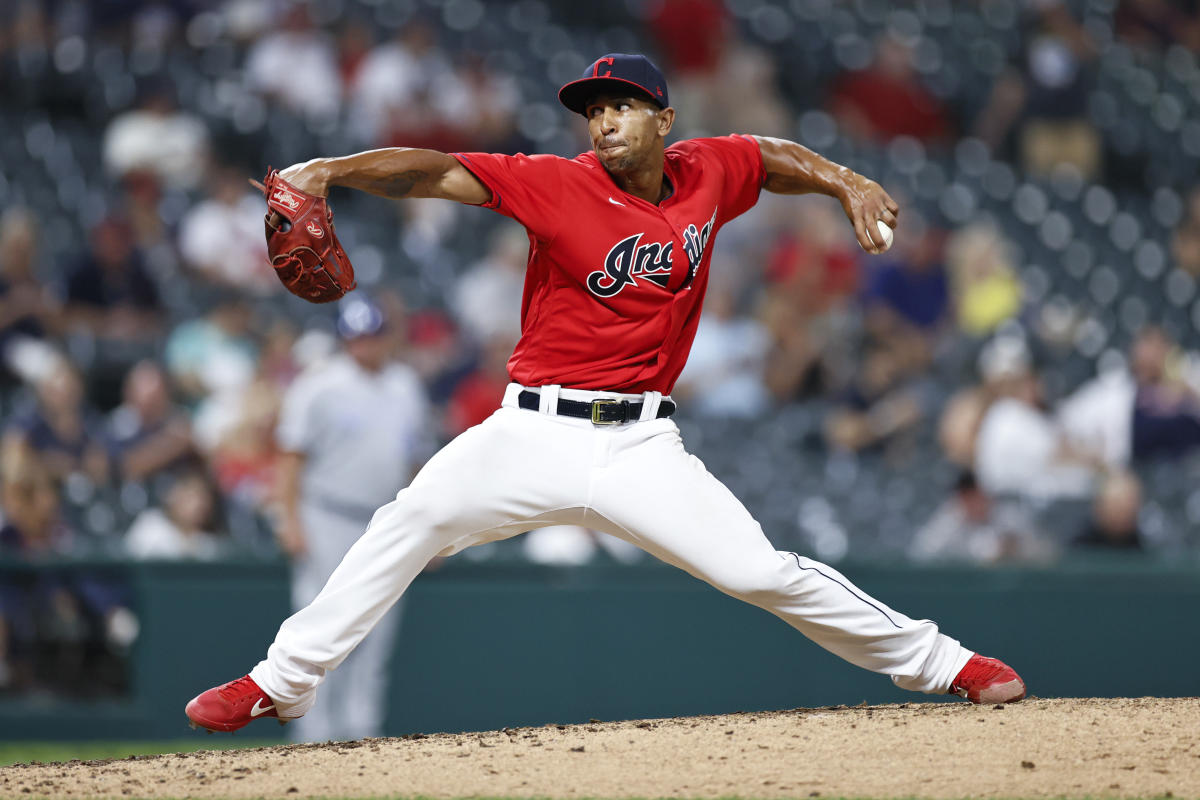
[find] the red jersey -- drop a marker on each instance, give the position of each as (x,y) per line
(615,284)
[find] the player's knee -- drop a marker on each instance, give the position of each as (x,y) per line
(760,587)
(410,515)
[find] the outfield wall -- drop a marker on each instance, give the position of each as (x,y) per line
(493,646)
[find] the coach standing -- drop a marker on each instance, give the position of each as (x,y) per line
(351,431)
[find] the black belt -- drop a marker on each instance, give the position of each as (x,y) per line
(601,411)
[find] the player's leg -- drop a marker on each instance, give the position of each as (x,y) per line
(688,518)
(507,475)
(330,535)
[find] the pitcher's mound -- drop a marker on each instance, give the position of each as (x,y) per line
(1039,748)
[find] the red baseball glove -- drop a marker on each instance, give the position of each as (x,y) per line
(306,253)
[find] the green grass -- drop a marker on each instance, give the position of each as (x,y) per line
(45,752)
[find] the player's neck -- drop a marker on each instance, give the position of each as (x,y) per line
(648,183)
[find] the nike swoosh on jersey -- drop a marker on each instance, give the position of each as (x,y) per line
(615,203)
(256,711)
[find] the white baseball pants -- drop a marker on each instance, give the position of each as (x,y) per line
(521,470)
(354,696)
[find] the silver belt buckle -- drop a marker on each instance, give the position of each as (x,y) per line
(597,405)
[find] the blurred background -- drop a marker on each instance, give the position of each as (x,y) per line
(993,423)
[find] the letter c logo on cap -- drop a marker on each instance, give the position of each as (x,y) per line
(596,67)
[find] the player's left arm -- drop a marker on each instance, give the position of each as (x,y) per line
(794,169)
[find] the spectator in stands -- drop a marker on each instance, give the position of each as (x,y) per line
(1154,25)
(278,363)
(31,520)
(958,425)
(148,433)
(184,528)
(474,396)
(438,352)
(1166,411)
(479,104)
(983,278)
(1114,523)
(214,352)
(972,527)
(158,137)
(60,612)
(221,237)
(907,299)
(1148,410)
(487,297)
(32,516)
(810,262)
(60,430)
(1020,449)
(296,66)
(243,455)
(27,309)
(392,84)
(692,36)
(877,408)
(109,293)
(354,43)
(1043,97)
(152,235)
(812,275)
(887,100)
(910,290)
(1185,241)
(723,376)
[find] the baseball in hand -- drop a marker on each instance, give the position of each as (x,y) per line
(884,239)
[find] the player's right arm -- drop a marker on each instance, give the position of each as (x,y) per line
(395,172)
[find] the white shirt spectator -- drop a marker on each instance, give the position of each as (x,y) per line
(1018,451)
(154,535)
(1099,417)
(300,69)
(226,242)
(171,144)
(1007,534)
(724,372)
(487,301)
(362,433)
(387,82)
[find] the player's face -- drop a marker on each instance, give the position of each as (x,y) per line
(626,131)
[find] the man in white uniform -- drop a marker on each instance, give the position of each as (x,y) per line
(352,429)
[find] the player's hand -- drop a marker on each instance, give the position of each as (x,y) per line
(865,202)
(292,539)
(311,176)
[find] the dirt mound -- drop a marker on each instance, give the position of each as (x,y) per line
(1039,748)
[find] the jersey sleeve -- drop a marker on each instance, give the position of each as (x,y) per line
(526,188)
(742,164)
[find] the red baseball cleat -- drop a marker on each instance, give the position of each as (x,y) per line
(230,706)
(988,680)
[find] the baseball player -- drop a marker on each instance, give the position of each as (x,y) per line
(619,248)
(351,430)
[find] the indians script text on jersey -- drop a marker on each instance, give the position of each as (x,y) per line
(615,284)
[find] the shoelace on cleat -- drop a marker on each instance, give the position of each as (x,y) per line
(982,672)
(234,689)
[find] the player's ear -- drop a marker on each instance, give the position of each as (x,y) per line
(666,120)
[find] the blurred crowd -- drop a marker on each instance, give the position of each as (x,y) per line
(143,364)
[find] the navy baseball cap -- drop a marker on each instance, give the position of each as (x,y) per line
(616,72)
(359,317)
